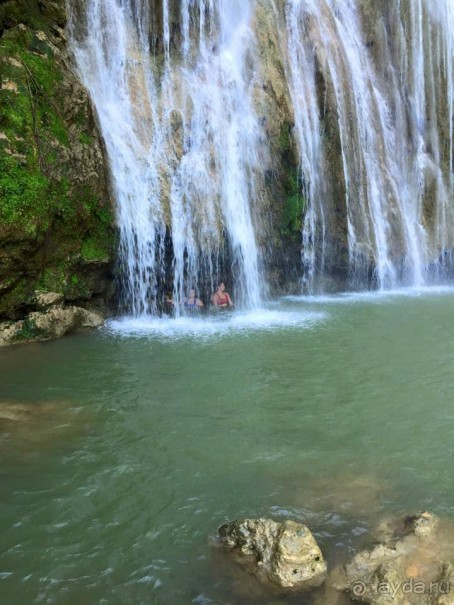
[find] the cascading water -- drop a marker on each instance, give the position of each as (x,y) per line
(372,92)
(182,138)
(387,71)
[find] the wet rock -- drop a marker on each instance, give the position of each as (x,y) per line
(15,412)
(44,300)
(284,555)
(30,426)
(8,332)
(57,321)
(25,412)
(421,524)
(405,562)
(46,325)
(443,593)
(62,219)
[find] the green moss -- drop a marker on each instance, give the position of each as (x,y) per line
(24,195)
(20,11)
(96,248)
(52,222)
(294,207)
(85,139)
(30,119)
(19,296)
(53,279)
(28,331)
(285,141)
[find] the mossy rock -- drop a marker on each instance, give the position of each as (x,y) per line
(56,218)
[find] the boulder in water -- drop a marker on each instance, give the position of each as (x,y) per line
(443,593)
(285,555)
(404,565)
(54,322)
(393,529)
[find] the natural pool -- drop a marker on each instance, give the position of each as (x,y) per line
(149,435)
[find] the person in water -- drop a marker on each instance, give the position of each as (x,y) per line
(192,302)
(221,298)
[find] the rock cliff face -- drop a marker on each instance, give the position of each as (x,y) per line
(56,220)
(281,188)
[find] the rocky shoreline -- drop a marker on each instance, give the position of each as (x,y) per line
(52,318)
(409,561)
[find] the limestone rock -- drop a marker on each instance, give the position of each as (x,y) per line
(62,220)
(421,524)
(90,319)
(26,412)
(55,322)
(283,554)
(8,331)
(44,300)
(408,556)
(444,586)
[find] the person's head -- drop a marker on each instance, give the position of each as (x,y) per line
(192,293)
(221,287)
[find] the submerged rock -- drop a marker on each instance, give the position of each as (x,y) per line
(27,427)
(443,593)
(422,524)
(352,495)
(285,555)
(24,412)
(408,566)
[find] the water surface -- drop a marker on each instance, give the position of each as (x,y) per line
(146,436)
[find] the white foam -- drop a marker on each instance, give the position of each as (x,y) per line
(374,296)
(205,327)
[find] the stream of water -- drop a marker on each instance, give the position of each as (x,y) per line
(143,438)
(176,90)
(183,143)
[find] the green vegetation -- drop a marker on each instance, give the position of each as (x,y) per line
(285,140)
(85,139)
(13,12)
(32,128)
(95,249)
(294,208)
(53,218)
(28,331)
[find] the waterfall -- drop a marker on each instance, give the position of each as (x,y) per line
(178,90)
(182,138)
(387,72)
